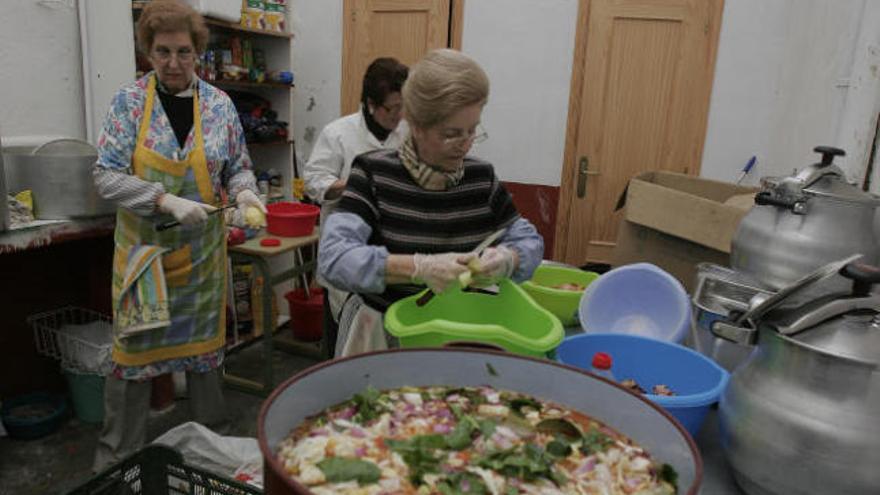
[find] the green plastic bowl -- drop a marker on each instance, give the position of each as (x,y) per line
(509,319)
(562,303)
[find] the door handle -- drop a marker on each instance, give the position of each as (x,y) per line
(583,173)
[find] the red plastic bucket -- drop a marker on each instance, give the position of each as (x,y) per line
(288,219)
(306,314)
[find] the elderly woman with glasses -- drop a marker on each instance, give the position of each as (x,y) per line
(171,148)
(410,217)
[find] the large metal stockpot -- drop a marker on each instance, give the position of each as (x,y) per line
(802,414)
(330,383)
(800,223)
(59,176)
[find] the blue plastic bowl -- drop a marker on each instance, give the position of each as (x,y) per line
(638,299)
(33,415)
(696,379)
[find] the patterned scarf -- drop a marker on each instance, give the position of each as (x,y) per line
(430,178)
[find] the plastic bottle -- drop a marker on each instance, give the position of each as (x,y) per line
(602,366)
(263,183)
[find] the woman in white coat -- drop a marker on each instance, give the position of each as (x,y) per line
(376,125)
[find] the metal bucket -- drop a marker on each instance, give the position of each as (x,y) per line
(59,178)
(4,205)
(721,291)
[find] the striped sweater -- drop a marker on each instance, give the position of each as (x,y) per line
(407,219)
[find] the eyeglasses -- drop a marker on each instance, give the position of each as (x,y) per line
(478,135)
(184,55)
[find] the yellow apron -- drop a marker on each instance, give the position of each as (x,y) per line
(194,264)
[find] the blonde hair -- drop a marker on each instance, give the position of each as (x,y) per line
(170,16)
(440,84)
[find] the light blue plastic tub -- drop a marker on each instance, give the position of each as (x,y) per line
(638,299)
(696,379)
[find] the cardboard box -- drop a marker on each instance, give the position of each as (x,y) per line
(676,221)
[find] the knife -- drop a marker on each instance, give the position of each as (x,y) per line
(175,223)
(427,296)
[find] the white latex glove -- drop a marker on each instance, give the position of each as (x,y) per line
(185,211)
(495,263)
(247,198)
(438,271)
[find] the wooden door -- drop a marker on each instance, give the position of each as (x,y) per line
(404,29)
(641,83)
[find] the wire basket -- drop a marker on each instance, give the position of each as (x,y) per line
(80,338)
(157,469)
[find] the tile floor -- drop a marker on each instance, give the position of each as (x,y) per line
(57,463)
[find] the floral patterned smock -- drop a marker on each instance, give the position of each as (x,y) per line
(229,165)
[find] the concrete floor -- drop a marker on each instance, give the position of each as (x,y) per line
(57,463)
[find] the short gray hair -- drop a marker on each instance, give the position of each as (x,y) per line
(440,84)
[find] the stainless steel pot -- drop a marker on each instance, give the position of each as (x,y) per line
(4,203)
(802,415)
(801,223)
(59,177)
(720,293)
(335,381)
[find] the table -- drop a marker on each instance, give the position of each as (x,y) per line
(43,233)
(717,475)
(251,251)
(45,266)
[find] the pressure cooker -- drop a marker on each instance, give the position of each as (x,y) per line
(802,414)
(802,222)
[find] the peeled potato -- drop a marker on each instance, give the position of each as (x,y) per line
(254,217)
(467,277)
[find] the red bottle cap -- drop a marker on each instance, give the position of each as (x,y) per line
(270,242)
(601,361)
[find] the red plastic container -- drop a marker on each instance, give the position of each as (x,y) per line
(288,219)
(306,314)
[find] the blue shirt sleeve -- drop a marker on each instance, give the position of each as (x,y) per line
(524,238)
(345,260)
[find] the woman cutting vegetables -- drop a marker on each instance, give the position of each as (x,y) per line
(409,217)
(170,149)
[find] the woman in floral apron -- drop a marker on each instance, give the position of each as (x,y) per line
(171,148)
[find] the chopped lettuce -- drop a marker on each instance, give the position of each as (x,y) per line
(339,469)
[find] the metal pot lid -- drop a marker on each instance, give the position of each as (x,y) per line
(841,324)
(824,179)
(835,187)
(853,336)
(776,300)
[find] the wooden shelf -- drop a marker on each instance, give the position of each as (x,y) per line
(237,27)
(222,83)
(265,144)
(137,6)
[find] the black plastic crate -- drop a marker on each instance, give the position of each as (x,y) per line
(160,470)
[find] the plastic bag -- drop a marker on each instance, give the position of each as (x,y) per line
(225,456)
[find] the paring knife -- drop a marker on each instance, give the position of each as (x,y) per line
(175,223)
(427,296)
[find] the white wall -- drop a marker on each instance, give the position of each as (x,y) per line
(781,85)
(526,48)
(317,68)
(40,72)
(107,47)
(790,74)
